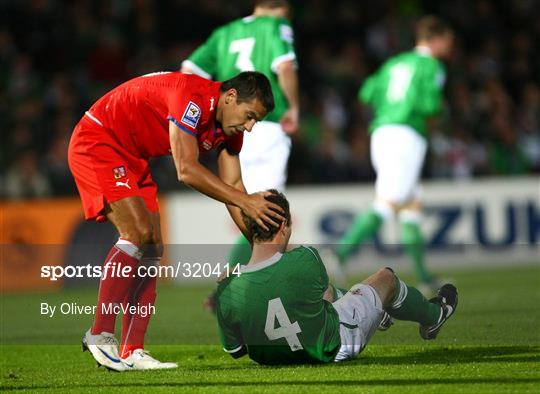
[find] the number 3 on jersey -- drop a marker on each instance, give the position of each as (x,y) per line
(286,329)
(244,48)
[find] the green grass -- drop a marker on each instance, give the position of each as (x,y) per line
(491,344)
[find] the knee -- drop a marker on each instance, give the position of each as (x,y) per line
(388,276)
(159,248)
(141,233)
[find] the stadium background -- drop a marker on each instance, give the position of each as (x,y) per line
(58,58)
(482,189)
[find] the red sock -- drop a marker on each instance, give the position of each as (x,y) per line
(134,326)
(113,287)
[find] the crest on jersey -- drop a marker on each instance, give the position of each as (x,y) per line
(286,33)
(356,292)
(192,114)
(119,172)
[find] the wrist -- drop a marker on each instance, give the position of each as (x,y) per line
(242,200)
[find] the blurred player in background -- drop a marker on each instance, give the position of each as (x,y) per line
(282,310)
(156,115)
(404,92)
(260,42)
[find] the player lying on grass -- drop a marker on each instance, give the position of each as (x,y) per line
(282,310)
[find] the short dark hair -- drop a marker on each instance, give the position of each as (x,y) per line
(271,3)
(429,27)
(250,85)
(256,232)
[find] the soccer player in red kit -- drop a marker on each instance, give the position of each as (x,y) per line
(155,115)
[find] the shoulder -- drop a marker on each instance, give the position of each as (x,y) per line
(304,253)
(195,99)
(224,286)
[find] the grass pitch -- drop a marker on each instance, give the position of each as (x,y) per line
(491,345)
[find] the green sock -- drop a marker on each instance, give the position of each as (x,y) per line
(413,241)
(364,226)
(410,304)
(240,252)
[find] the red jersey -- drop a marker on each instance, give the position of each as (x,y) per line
(138,113)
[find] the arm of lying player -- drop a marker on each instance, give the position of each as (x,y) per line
(329,294)
(230,172)
(333,293)
(230,338)
(288,81)
(185,152)
(241,352)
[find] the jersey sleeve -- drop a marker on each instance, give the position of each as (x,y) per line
(203,60)
(231,339)
(184,112)
(366,94)
(321,280)
(282,44)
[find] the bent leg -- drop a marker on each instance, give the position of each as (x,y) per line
(143,294)
(360,311)
(365,226)
(413,241)
(407,303)
(132,220)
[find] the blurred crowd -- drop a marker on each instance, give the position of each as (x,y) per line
(58,57)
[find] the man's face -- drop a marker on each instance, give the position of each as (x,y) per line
(239,117)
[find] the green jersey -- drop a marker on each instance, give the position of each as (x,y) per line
(275,309)
(406,89)
(249,44)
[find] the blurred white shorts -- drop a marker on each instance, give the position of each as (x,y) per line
(360,312)
(397,155)
(264,157)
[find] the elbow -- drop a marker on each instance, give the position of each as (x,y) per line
(181,177)
(186,179)
(184,174)
(288,67)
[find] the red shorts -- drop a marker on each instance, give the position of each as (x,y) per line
(105,171)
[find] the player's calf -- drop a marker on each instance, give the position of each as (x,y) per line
(409,304)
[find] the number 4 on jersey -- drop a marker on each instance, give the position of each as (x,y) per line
(286,329)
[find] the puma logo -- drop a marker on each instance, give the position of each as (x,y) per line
(126,184)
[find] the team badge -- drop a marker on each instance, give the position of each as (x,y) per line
(119,172)
(207,145)
(192,114)
(356,292)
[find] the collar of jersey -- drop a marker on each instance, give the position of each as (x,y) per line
(217,128)
(423,50)
(263,264)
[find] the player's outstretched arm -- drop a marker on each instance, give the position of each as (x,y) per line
(288,81)
(190,171)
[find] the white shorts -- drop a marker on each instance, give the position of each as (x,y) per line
(397,155)
(264,157)
(360,312)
